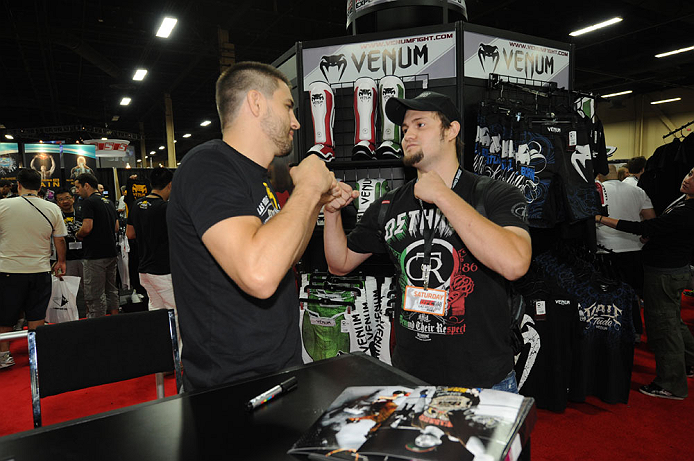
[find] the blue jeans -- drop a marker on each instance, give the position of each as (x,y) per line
(508,384)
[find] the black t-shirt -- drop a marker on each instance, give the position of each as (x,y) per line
(228,334)
(101,241)
(148,217)
(671,236)
(469,345)
(73,222)
(135,190)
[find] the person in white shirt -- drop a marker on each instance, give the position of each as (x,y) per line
(27,224)
(631,203)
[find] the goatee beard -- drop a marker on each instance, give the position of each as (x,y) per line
(413,159)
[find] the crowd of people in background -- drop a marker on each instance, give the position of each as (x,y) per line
(71,231)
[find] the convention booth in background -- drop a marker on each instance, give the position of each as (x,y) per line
(523,123)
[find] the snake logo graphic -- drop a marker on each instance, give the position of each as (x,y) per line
(486,53)
(337,60)
(581,154)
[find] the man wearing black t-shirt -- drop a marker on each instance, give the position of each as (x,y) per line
(98,235)
(73,221)
(147,224)
(452,326)
(231,246)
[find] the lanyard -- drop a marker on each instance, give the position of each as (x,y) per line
(429,234)
(156,195)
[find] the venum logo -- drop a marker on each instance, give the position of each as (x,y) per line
(554,129)
(318,98)
(328,62)
(365,94)
(388,60)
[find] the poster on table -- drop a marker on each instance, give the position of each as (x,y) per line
(356,8)
(10,160)
(421,57)
(44,158)
(486,54)
(78,159)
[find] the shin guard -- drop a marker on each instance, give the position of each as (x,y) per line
(323,114)
(365,101)
(389,87)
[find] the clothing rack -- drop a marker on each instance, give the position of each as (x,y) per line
(678,129)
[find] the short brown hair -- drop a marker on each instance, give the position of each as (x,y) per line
(446,124)
(233,85)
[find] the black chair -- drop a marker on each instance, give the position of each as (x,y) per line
(75,355)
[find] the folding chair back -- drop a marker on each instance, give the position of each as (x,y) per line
(75,355)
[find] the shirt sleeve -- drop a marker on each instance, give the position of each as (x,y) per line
(213,189)
(87,209)
(678,220)
(505,205)
(59,228)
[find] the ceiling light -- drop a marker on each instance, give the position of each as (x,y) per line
(125,101)
(139,159)
(205,123)
(104,139)
(595,27)
(669,53)
(616,94)
(178,163)
(166,27)
(9,136)
(663,101)
(152,153)
(115,118)
(175,141)
(162,147)
(140,74)
(187,135)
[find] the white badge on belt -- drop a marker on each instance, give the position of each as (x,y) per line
(425,301)
(74,245)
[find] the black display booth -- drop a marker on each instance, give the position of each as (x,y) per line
(443,57)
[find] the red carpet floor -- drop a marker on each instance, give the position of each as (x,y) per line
(648,429)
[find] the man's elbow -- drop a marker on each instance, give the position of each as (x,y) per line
(516,269)
(259,285)
(337,271)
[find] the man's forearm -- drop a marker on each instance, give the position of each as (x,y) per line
(335,243)
(502,250)
(60,248)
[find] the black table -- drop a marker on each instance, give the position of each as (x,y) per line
(211,424)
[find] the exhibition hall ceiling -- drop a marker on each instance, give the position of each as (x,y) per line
(71,63)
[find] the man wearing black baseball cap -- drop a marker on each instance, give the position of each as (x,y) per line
(456,239)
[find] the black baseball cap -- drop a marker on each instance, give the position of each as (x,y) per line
(427,101)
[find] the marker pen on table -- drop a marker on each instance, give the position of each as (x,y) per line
(280,389)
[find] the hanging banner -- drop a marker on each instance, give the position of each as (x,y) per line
(78,159)
(109,147)
(485,54)
(44,158)
(425,56)
(10,160)
(356,8)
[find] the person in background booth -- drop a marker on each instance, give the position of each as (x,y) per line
(98,234)
(452,324)
(232,246)
(666,261)
(27,224)
(73,222)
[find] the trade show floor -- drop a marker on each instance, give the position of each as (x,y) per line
(589,430)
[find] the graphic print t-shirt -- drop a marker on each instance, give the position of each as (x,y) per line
(469,344)
(148,217)
(73,222)
(228,334)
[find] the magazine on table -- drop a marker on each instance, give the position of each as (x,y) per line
(421,423)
